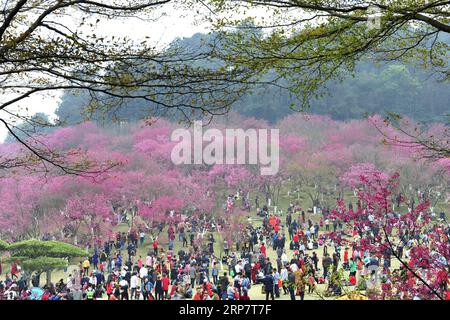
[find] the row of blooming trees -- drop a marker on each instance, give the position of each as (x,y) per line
(319,157)
(83,209)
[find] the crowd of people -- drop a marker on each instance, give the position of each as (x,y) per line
(289,254)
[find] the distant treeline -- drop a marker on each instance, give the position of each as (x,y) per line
(381,88)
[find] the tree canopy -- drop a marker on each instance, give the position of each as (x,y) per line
(43,256)
(382,88)
(311,42)
(38,248)
(42,53)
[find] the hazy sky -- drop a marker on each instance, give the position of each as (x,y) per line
(170,23)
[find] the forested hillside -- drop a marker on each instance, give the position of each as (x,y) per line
(374,88)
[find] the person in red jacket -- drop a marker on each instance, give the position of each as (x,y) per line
(262,248)
(14,270)
(170,231)
(173,289)
(165,285)
(155,246)
(46,295)
(255,268)
(109,289)
(295,238)
(346,259)
(199,294)
(207,287)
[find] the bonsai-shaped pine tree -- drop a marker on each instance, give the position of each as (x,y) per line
(3,245)
(43,256)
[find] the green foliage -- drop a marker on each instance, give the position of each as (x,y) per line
(39,264)
(44,264)
(3,245)
(361,286)
(315,54)
(384,89)
(41,256)
(38,248)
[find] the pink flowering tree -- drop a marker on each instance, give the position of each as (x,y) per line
(381,231)
(89,217)
(314,176)
(165,209)
(21,214)
(427,142)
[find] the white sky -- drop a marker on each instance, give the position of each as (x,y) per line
(170,25)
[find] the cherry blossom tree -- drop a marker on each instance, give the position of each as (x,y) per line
(89,217)
(381,231)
